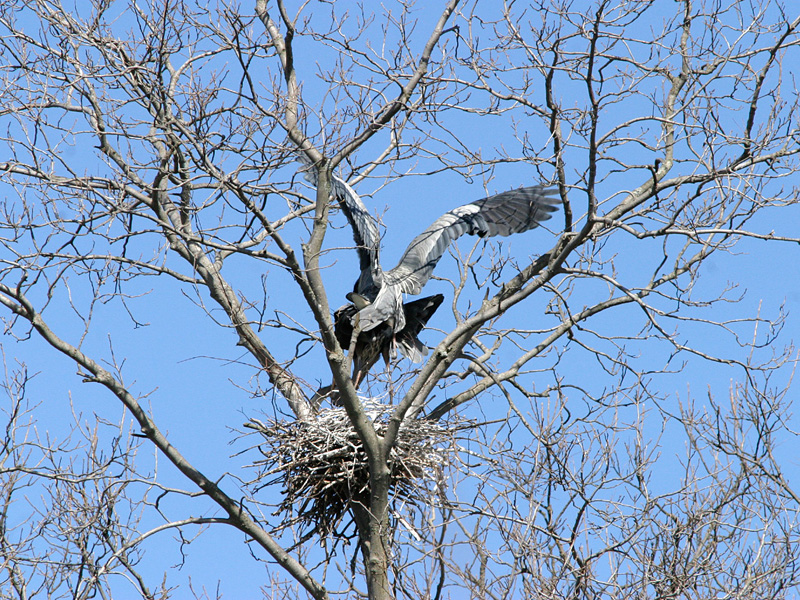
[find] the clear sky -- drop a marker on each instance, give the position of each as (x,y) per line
(178,352)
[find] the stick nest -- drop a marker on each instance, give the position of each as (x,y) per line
(323,469)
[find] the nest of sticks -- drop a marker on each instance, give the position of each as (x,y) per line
(322,466)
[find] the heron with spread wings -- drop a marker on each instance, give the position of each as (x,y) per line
(377,316)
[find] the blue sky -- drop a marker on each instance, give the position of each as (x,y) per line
(179,355)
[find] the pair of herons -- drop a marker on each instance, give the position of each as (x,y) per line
(377,314)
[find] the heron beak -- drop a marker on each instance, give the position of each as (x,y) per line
(358,300)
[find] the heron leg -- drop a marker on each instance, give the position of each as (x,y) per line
(358,375)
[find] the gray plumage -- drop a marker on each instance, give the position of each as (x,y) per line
(363,224)
(509,212)
(381,341)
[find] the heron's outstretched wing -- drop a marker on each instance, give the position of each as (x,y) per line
(509,212)
(365,229)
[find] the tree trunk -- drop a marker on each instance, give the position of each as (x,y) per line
(373,529)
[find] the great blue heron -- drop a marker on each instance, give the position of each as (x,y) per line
(380,341)
(377,296)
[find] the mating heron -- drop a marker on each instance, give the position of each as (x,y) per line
(377,314)
(381,340)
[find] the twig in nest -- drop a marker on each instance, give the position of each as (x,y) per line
(323,467)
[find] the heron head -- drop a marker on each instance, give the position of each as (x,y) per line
(358,300)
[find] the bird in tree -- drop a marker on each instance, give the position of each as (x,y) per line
(378,317)
(381,341)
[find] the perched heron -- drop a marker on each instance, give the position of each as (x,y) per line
(380,341)
(377,296)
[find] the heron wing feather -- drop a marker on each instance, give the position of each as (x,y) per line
(363,224)
(509,212)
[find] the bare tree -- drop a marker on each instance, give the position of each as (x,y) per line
(543,449)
